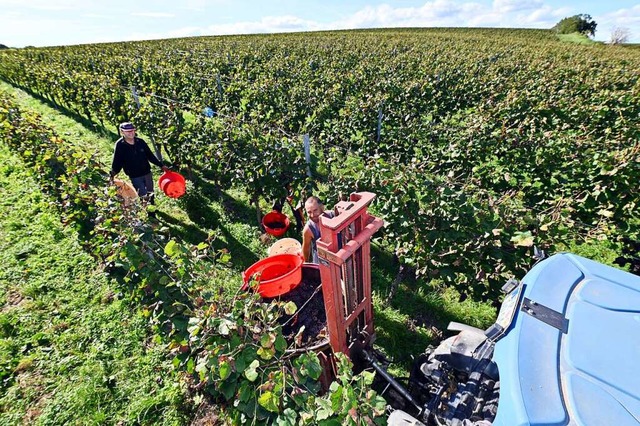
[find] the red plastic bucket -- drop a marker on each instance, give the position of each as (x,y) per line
(276,275)
(172,184)
(275,223)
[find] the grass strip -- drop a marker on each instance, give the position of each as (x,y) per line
(72,349)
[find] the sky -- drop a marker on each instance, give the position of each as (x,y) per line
(67,22)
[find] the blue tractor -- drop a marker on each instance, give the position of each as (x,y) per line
(564,350)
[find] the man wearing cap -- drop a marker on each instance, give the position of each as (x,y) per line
(134,156)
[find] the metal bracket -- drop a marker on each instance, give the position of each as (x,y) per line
(510,285)
(545,314)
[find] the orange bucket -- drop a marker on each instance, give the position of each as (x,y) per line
(172,184)
(276,275)
(275,223)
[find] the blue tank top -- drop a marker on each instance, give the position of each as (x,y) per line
(315,230)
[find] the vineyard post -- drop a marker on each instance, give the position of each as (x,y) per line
(307,152)
(219,84)
(379,129)
(255,200)
(134,93)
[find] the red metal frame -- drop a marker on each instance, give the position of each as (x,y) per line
(344,252)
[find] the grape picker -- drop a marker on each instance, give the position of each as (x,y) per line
(132,154)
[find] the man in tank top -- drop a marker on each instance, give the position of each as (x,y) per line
(311,232)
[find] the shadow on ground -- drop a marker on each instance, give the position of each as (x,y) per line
(411,314)
(236,210)
(196,205)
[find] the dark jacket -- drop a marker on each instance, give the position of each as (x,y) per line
(134,159)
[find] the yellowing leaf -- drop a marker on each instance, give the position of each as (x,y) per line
(605,213)
(290,308)
(250,373)
(522,239)
(269,401)
(267,340)
(225,370)
(171,248)
(266,353)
